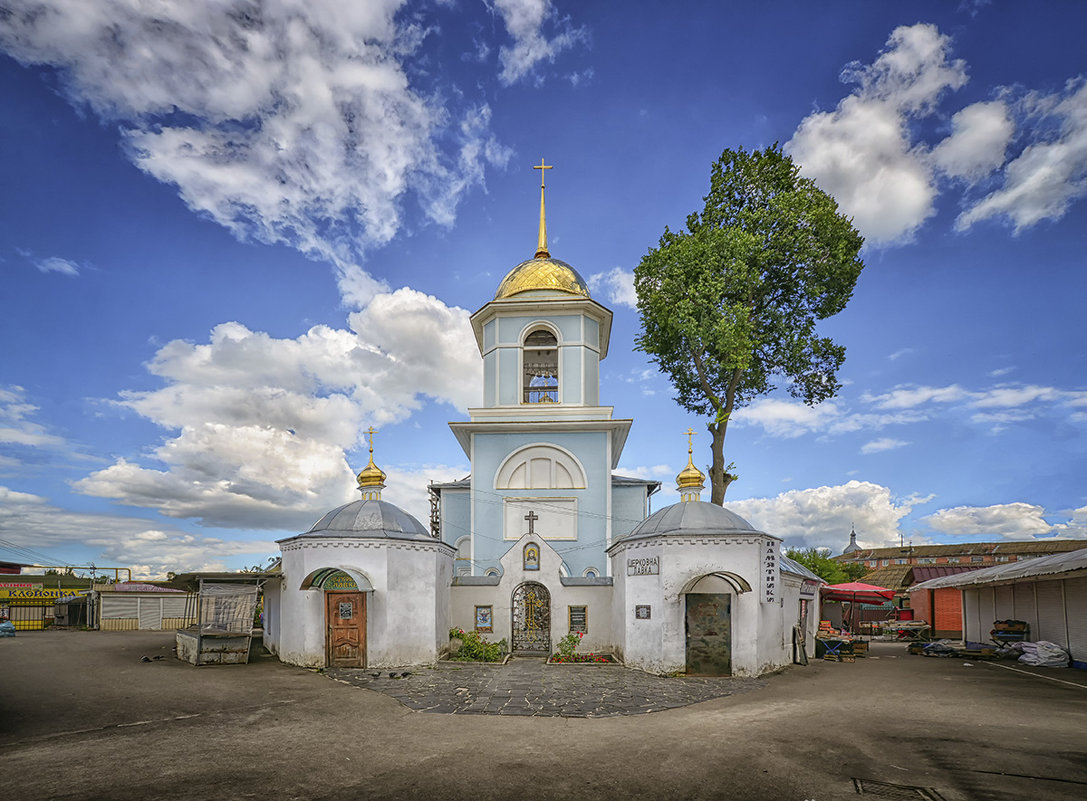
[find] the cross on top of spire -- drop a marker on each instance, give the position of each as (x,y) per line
(541,245)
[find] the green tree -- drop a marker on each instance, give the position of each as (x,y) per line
(818,561)
(729,306)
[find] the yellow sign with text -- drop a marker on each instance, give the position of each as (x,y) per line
(35,594)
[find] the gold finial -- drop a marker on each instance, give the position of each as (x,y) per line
(541,245)
(372,478)
(691,480)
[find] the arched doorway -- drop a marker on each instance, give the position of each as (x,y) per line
(345,618)
(708,622)
(531,619)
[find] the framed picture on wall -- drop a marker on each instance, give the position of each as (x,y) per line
(485,619)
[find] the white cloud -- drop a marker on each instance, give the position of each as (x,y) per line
(910,397)
(263,424)
(861,152)
(882,444)
(822,516)
(781,418)
(295,122)
(524,20)
(407,487)
(979,139)
(1016,396)
(55,264)
(898,354)
(16,428)
(1001,371)
(151,549)
(1044,180)
(617,285)
(1013,521)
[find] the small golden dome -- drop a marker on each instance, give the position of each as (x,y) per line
(691,477)
(371,475)
(691,481)
(542,273)
(372,478)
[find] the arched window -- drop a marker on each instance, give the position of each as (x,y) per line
(462,564)
(540,467)
(540,358)
(591,572)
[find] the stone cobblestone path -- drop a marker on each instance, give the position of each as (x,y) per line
(528,686)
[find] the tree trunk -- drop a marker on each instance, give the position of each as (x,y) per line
(720,478)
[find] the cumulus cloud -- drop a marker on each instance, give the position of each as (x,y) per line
(909,397)
(782,418)
(294,122)
(1050,173)
(979,139)
(262,424)
(822,516)
(1013,521)
(617,286)
(525,20)
(150,548)
(862,153)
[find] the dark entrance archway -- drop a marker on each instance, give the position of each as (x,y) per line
(531,619)
(709,634)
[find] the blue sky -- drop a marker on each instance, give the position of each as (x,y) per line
(235,235)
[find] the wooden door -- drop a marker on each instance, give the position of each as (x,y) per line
(346,616)
(709,634)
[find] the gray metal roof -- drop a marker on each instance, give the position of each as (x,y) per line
(691,518)
(368,519)
(792,566)
(1058,563)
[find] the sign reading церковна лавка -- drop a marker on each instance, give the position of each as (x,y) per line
(644,566)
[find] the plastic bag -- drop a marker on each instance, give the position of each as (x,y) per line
(1042,654)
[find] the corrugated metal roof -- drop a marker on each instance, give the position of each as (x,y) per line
(1055,564)
(966,549)
(926,572)
(893,577)
(136,586)
(792,566)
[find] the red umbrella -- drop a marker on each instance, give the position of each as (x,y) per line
(856,592)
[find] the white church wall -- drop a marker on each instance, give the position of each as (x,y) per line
(403,624)
(273,612)
(658,644)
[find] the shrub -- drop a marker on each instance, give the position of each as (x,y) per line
(475,648)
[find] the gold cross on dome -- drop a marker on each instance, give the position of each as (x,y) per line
(371,431)
(690,441)
(541,242)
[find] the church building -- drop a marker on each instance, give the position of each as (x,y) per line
(542,538)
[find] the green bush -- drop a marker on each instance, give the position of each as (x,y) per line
(475,648)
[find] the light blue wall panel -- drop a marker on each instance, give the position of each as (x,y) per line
(490,362)
(570,384)
(509,379)
(592,332)
(488,336)
(456,510)
(592,378)
(590,449)
(627,509)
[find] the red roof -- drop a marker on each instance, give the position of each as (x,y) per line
(926,572)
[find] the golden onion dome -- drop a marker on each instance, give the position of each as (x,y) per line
(371,475)
(690,477)
(690,481)
(546,274)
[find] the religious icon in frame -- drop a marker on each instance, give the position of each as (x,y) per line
(532,556)
(485,619)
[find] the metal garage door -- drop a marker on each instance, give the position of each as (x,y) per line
(1005,604)
(1075,598)
(1051,623)
(1025,607)
(971,617)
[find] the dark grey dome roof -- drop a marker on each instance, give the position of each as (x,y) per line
(369,518)
(691,517)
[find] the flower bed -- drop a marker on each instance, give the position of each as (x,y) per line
(566,653)
(474,648)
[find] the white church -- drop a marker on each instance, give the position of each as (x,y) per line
(542,538)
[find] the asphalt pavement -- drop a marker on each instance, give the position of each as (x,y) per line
(83,716)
